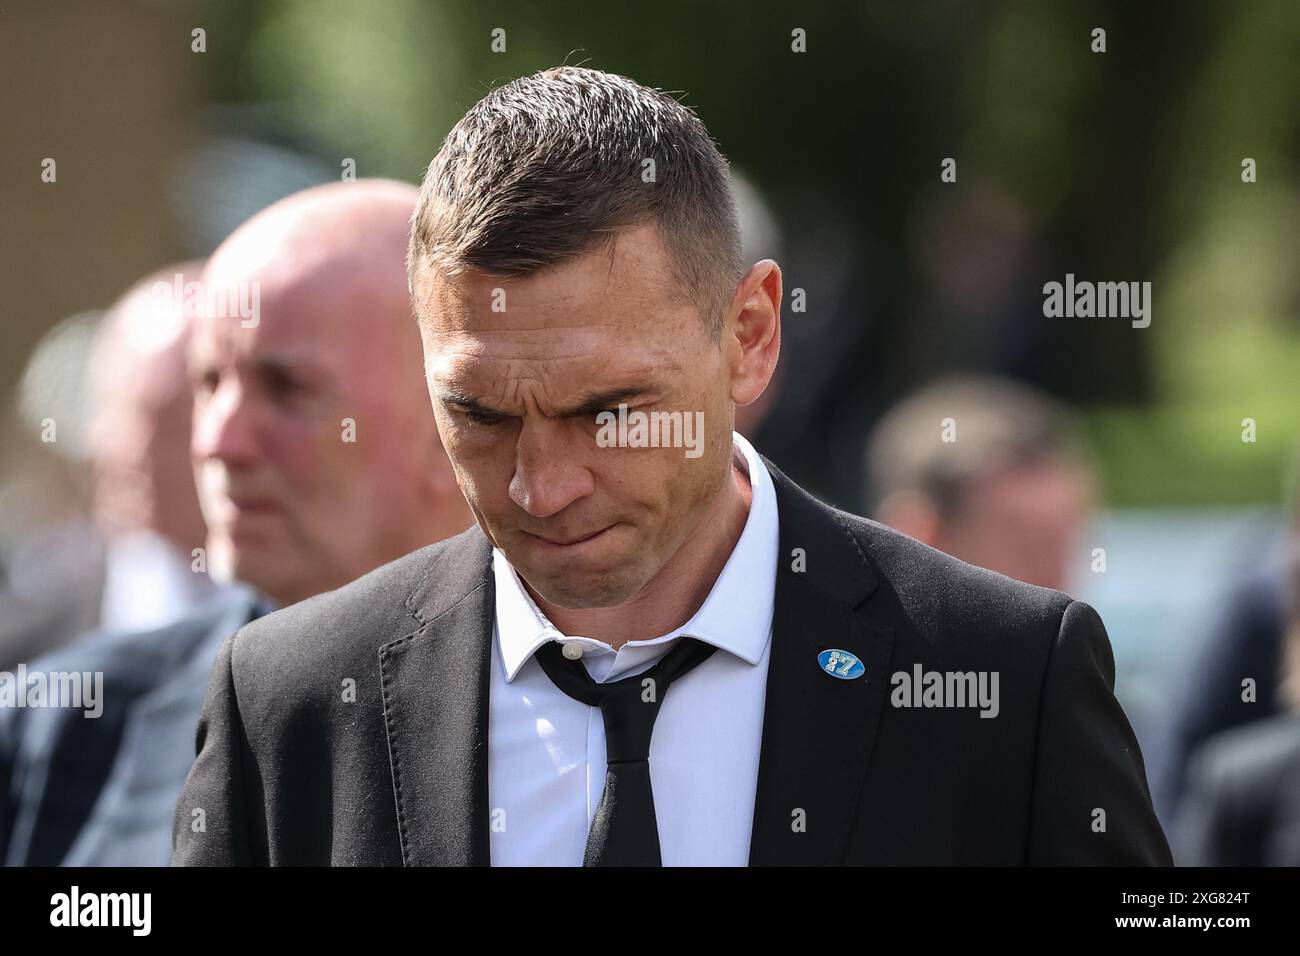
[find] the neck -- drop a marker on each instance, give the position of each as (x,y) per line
(681,586)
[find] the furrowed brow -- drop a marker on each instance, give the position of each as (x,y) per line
(602,400)
(450,395)
(589,406)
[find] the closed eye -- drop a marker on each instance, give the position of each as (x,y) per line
(282,383)
(480,417)
(483,416)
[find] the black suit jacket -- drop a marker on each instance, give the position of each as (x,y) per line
(290,771)
(1246,641)
(1243,802)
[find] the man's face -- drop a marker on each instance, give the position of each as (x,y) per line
(304,430)
(140,432)
(1023,522)
(516,392)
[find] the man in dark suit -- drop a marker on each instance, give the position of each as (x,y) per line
(119,559)
(78,791)
(652,648)
(1242,805)
(1243,798)
(316,461)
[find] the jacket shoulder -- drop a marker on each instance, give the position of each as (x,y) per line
(350,624)
(934,590)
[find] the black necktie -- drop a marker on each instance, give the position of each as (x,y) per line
(624,831)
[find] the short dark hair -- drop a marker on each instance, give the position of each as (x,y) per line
(550,166)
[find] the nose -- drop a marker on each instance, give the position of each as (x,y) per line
(224,425)
(550,473)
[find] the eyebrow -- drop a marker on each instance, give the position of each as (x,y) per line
(200,361)
(593,403)
(307,368)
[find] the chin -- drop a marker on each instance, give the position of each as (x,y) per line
(574,593)
(274,574)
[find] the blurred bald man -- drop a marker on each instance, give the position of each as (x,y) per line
(144,501)
(315,455)
(124,561)
(316,461)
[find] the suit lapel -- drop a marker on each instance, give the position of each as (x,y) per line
(818,730)
(435,690)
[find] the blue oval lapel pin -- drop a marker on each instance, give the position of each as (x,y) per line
(841,664)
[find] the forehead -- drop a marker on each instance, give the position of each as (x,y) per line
(617,307)
(298,310)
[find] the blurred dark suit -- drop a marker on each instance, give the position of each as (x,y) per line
(1245,642)
(1243,798)
(51,592)
(101,791)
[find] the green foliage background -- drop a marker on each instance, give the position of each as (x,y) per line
(1129,162)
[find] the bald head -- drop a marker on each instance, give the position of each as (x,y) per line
(146,332)
(140,407)
(314,444)
(342,239)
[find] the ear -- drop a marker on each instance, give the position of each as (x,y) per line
(752,331)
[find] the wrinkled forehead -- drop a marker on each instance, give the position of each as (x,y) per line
(486,365)
(620,299)
(599,321)
(624,281)
(483,334)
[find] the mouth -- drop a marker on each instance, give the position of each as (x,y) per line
(246,517)
(553,544)
(251,506)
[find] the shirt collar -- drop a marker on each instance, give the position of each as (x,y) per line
(736,616)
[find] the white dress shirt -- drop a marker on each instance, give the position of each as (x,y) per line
(148,583)
(546,751)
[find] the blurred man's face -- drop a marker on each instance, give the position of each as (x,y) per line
(516,395)
(140,432)
(297,501)
(1023,522)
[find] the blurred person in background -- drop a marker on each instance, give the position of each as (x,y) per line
(124,561)
(316,461)
(1236,674)
(987,470)
(1242,800)
(145,503)
(51,556)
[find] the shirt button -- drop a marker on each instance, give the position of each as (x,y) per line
(572,651)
